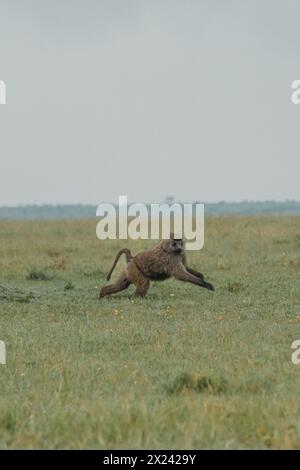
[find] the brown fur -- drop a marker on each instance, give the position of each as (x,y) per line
(162,262)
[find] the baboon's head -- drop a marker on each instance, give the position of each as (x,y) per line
(174,244)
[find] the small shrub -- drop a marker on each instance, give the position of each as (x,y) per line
(53,253)
(13,294)
(38,275)
(187,381)
(9,421)
(95,273)
(69,285)
(295,263)
(234,287)
(58,264)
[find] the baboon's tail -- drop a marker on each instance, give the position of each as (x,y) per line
(129,257)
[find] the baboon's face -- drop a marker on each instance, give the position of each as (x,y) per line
(174,245)
(177,245)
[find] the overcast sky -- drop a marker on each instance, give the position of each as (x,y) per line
(152,98)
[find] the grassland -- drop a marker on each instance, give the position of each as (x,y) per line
(183,368)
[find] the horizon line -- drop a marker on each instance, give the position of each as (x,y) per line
(72,204)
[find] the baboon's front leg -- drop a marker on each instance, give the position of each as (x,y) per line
(183,274)
(121,284)
(195,273)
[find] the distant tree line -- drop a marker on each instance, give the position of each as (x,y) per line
(89,211)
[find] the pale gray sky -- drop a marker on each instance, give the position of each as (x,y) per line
(149,98)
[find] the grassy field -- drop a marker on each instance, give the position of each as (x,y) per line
(183,368)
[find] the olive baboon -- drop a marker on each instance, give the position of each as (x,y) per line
(165,261)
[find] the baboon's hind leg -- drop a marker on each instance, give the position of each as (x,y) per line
(121,284)
(142,287)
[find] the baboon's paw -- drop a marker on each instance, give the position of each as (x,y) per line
(208,286)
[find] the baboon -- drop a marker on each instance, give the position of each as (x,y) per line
(164,261)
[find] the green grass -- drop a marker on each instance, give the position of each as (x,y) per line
(183,368)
